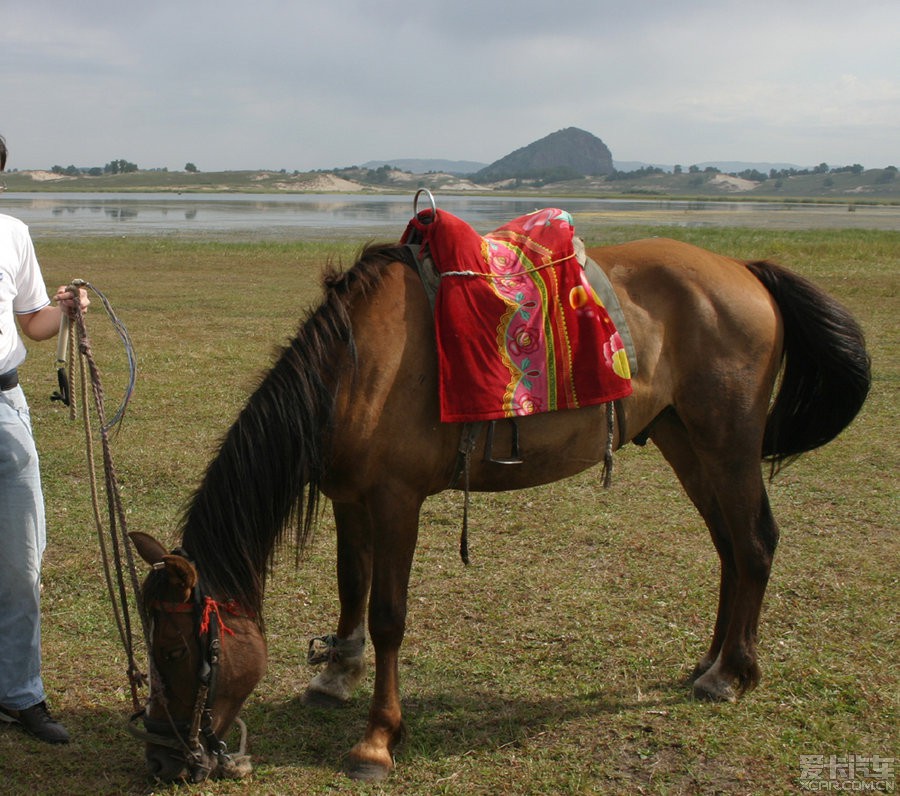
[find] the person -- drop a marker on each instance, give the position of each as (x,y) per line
(23,297)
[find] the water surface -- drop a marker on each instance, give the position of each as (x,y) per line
(329,216)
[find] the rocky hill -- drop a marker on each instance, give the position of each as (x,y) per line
(565,154)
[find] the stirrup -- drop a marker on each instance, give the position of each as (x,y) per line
(515,456)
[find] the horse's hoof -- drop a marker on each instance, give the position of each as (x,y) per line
(320,699)
(366,771)
(369,762)
(699,670)
(709,689)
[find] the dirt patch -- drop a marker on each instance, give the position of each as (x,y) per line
(323,183)
(734,183)
(459,185)
(45,176)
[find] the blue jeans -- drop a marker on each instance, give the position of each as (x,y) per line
(22,541)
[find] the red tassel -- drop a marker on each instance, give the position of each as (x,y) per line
(211,606)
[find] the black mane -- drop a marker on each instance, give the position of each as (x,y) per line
(267,473)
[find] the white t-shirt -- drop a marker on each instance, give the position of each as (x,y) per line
(22,289)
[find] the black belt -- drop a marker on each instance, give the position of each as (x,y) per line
(9,380)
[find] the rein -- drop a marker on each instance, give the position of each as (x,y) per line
(116,538)
(120,571)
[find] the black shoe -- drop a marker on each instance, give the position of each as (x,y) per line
(37,721)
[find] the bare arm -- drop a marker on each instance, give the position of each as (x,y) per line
(44,324)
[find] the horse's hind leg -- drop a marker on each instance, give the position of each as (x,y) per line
(728,491)
(753,538)
(346,666)
(670,437)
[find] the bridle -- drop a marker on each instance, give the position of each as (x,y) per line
(203,751)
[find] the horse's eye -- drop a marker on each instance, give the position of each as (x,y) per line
(175,654)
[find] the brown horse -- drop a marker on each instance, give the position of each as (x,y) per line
(738,362)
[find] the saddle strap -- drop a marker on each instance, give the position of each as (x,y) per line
(468,434)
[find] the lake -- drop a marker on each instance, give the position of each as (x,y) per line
(341,216)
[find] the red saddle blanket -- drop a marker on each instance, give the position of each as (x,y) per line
(519,329)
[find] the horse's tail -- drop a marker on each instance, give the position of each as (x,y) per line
(826,374)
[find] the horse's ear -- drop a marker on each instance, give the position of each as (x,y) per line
(180,572)
(149,549)
(182,575)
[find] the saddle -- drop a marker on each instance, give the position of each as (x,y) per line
(520,326)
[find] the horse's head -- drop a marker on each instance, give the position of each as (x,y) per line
(206,655)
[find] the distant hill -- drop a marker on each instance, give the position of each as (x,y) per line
(426,165)
(565,154)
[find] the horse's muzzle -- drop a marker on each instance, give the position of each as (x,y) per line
(167,755)
(169,765)
(166,762)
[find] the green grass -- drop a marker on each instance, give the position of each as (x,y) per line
(553,663)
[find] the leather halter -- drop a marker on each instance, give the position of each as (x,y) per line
(196,739)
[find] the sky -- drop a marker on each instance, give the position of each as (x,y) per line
(302,85)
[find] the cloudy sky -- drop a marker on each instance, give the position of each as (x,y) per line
(297,84)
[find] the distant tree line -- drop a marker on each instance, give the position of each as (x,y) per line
(748,174)
(822,168)
(113,167)
(75,171)
(645,171)
(383,174)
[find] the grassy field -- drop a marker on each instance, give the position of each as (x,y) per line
(554,662)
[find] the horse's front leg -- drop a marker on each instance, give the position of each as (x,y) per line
(345,652)
(395,519)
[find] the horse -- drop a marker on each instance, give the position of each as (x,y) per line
(739,363)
